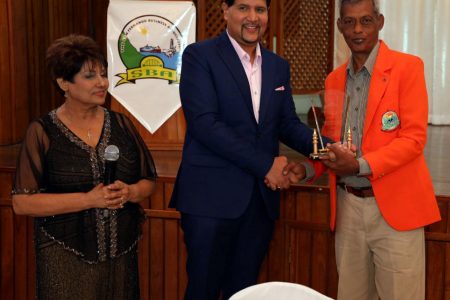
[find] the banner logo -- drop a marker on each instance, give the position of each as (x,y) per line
(149,47)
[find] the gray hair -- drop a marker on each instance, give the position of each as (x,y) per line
(375,3)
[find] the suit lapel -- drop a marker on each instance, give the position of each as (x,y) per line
(378,84)
(267,86)
(234,65)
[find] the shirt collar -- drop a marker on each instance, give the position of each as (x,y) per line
(368,65)
(244,56)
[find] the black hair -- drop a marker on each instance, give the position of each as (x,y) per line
(231,2)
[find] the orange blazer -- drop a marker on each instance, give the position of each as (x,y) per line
(400,178)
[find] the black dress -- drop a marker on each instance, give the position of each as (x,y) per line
(91,254)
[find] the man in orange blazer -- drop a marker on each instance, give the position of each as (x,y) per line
(384,195)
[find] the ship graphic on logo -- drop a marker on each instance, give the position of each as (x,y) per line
(149,47)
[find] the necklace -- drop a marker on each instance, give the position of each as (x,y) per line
(73,123)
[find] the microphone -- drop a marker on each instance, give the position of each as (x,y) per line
(111,156)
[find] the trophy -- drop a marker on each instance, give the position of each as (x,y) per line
(317,153)
(317,137)
(347,138)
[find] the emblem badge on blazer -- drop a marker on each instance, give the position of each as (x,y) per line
(389,121)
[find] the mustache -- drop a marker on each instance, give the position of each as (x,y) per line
(251,24)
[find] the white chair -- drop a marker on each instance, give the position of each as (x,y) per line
(278,291)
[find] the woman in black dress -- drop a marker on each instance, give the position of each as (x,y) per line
(85,233)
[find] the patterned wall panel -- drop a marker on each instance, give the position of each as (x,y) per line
(305,37)
(214,19)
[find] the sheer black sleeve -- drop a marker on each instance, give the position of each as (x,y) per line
(147,165)
(29,177)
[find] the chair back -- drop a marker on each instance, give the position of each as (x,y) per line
(278,291)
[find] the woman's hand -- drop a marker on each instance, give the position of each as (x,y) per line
(101,196)
(117,194)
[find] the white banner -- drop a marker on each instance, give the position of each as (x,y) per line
(145,42)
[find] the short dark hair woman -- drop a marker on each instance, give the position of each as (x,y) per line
(86,233)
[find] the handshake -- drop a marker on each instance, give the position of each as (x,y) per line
(339,159)
(283,173)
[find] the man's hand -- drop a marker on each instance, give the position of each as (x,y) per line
(294,172)
(341,160)
(274,178)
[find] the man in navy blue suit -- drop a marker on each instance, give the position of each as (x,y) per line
(238,106)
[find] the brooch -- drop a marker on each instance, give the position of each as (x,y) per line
(389,121)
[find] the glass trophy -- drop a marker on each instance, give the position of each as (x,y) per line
(317,138)
(349,139)
(334,101)
(347,135)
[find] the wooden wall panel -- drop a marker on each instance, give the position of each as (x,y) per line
(7,253)
(5,94)
(210,19)
(13,71)
(437,252)
(305,38)
(19,68)
(42,94)
(21,257)
(17,269)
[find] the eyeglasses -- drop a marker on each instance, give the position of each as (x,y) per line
(366,21)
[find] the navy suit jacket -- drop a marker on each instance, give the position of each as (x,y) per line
(226,151)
